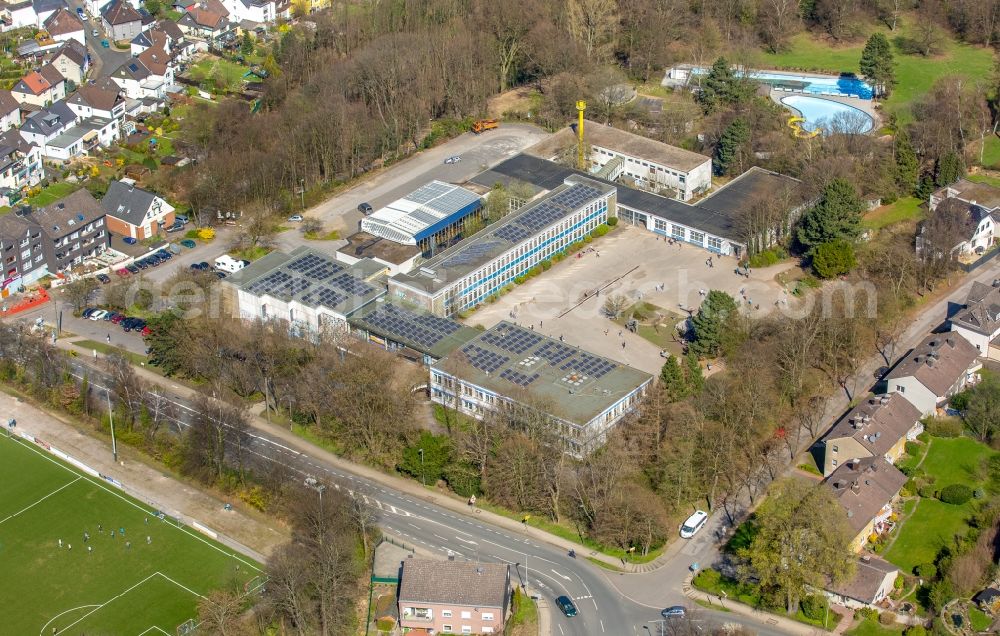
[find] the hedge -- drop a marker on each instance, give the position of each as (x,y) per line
(955,494)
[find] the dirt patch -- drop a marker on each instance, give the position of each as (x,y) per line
(518,100)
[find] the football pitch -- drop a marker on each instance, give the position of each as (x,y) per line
(135,573)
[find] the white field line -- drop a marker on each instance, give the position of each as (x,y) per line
(41,500)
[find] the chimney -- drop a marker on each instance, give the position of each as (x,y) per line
(950,341)
(451,557)
(884,400)
(856,486)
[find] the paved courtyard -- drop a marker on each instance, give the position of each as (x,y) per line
(567,300)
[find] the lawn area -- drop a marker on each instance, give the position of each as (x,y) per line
(104,349)
(145,578)
(929,524)
(52,193)
(915,74)
(217,69)
(978,619)
(712,582)
(984,178)
(904,209)
(991,155)
(868,627)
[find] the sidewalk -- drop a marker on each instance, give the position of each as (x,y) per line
(241,530)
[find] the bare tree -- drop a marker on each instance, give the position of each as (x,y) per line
(78,293)
(219,613)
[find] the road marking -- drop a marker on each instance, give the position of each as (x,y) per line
(602,625)
(466,541)
(560,575)
(560,628)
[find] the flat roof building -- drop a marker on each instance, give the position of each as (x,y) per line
(508,366)
(310,290)
(410,332)
(398,257)
(425,217)
(712,223)
(478,267)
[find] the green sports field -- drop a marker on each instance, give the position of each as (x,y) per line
(124,585)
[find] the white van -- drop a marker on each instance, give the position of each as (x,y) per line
(693,524)
(227,263)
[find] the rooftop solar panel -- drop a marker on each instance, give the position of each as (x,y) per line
(518,378)
(471,253)
(512,233)
(514,340)
(483,359)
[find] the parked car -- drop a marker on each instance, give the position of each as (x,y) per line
(94,33)
(141,264)
(365,208)
(122,272)
(146,331)
(180,217)
(188,243)
(295,218)
(693,524)
(104,278)
(165,255)
(97,314)
(566,605)
(221,275)
(105,44)
(118,319)
(674,611)
(453,159)
(132,268)
(176,227)
(89,310)
(205,266)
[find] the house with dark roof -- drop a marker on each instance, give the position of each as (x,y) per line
(942,365)
(42,126)
(878,427)
(101,98)
(976,206)
(121,21)
(867,490)
(139,81)
(20,166)
(135,212)
(10,111)
(873,581)
(45,8)
(41,87)
(85,135)
(206,20)
(978,321)
(74,228)
(453,597)
(64,25)
(72,61)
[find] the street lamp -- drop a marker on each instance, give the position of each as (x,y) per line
(302,192)
(111,419)
(423,476)
(311,482)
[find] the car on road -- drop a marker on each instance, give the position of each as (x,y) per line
(566,605)
(79,11)
(295,218)
(188,243)
(97,315)
(674,611)
(693,524)
(221,275)
(94,33)
(365,208)
(104,278)
(105,44)
(453,159)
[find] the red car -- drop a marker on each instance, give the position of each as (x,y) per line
(122,272)
(146,331)
(117,318)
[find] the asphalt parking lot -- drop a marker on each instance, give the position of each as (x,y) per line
(641,266)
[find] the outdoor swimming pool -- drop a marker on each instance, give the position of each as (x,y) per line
(820,113)
(842,85)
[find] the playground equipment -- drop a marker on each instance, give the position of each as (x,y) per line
(795,123)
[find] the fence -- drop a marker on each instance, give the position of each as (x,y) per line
(982,260)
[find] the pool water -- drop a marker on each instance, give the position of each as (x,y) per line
(842,85)
(821,113)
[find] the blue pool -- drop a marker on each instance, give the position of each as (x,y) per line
(842,85)
(821,113)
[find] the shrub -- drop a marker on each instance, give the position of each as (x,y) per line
(814,606)
(588,238)
(912,449)
(955,494)
(898,583)
(834,259)
(600,230)
(960,401)
(546,264)
(944,427)
(612,221)
(887,618)
(768,257)
(926,570)
(866,612)
(927,492)
(924,437)
(915,630)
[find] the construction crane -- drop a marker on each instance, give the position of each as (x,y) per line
(580,107)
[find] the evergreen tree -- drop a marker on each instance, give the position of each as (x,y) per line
(925,188)
(837,215)
(733,147)
(949,170)
(695,380)
(907,164)
(833,259)
(672,379)
(722,86)
(710,322)
(877,64)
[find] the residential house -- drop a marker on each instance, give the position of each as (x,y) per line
(145,76)
(135,212)
(866,489)
(453,597)
(22,249)
(979,319)
(102,98)
(878,427)
(257,11)
(988,600)
(72,61)
(41,87)
(933,371)
(155,36)
(17,15)
(20,166)
(204,22)
(64,25)
(44,9)
(121,21)
(43,126)
(10,111)
(81,138)
(75,230)
(977,207)
(873,581)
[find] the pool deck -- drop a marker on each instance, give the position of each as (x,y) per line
(865,105)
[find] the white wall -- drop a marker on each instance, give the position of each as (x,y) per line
(700,178)
(916,393)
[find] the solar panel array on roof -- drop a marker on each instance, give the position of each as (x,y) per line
(513,340)
(589,365)
(424,329)
(547,212)
(428,192)
(424,217)
(512,233)
(483,359)
(518,378)
(318,280)
(576,196)
(471,253)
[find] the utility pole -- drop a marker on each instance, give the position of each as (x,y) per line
(111,419)
(302,192)
(423,476)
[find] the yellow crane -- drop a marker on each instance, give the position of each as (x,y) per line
(580,107)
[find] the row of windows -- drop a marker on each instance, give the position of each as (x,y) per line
(681,233)
(639,162)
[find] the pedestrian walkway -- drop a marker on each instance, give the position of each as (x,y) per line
(786,625)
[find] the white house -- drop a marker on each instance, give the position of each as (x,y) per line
(652,164)
(979,320)
(20,166)
(147,75)
(10,111)
(933,371)
(121,21)
(72,61)
(978,207)
(259,11)
(42,126)
(103,98)
(81,138)
(64,25)
(873,580)
(18,15)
